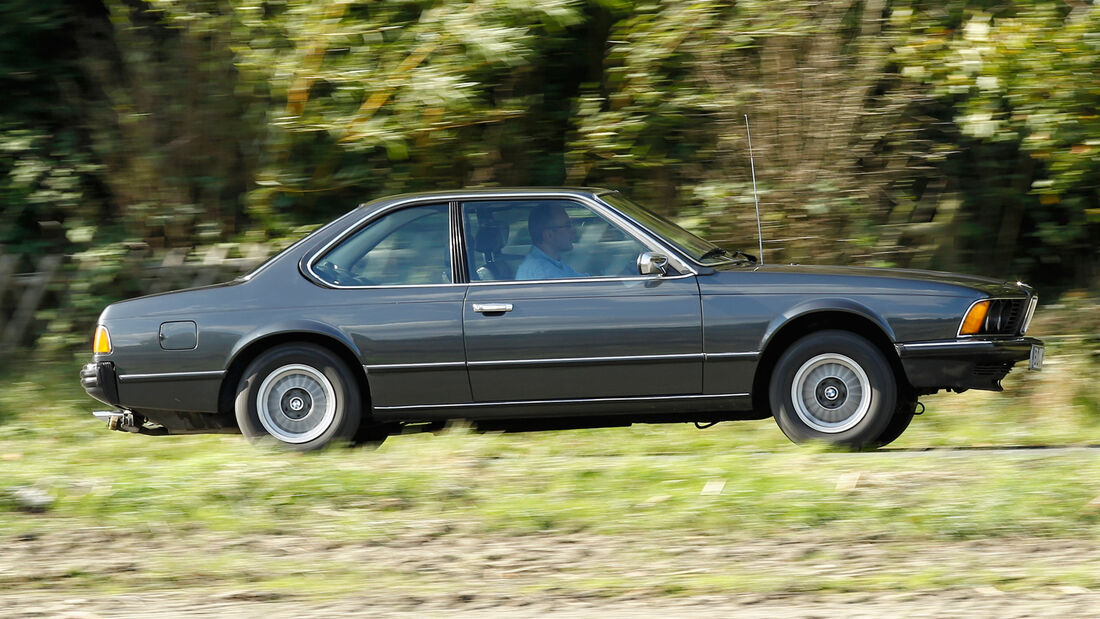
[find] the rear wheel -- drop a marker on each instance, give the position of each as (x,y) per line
(371,435)
(301,395)
(836,387)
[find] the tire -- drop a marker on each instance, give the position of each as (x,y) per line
(835,387)
(371,435)
(302,396)
(903,415)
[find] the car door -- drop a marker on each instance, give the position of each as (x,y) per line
(392,289)
(586,325)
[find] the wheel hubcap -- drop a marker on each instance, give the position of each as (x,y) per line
(296,403)
(831,393)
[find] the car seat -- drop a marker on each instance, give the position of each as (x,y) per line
(491,237)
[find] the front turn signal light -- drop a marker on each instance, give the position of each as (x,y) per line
(101,345)
(972,324)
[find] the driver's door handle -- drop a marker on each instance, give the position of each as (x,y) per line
(492,308)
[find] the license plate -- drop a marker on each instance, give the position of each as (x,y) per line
(1036,360)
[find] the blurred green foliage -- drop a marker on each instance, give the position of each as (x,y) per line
(959,135)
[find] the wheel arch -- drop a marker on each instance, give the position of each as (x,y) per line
(250,348)
(822,316)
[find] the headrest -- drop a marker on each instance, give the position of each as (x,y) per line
(491,236)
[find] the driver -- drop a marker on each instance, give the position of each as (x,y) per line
(551,236)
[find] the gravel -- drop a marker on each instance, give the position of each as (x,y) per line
(104,572)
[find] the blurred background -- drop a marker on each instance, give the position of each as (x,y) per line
(151,145)
(947,135)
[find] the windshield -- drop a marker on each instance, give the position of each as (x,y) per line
(701,250)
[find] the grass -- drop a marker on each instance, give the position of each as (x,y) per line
(638,483)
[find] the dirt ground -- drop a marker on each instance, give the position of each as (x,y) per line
(105,573)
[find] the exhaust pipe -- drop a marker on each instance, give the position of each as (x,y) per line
(127,421)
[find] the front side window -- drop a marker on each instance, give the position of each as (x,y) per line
(410,246)
(541,239)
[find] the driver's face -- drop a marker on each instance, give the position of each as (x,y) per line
(559,234)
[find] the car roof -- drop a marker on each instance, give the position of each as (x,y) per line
(492,192)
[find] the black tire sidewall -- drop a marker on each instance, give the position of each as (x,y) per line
(348,400)
(371,435)
(879,374)
(903,416)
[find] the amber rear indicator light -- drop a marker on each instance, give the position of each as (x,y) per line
(101,345)
(972,324)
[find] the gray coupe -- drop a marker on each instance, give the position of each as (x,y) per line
(526,309)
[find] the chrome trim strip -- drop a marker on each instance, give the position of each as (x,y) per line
(597,205)
(732,355)
(564,280)
(574,280)
(565,401)
(948,343)
(139,378)
(945,344)
(507,362)
(1030,314)
(414,366)
(564,360)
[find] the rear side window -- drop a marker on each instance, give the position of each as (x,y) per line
(404,248)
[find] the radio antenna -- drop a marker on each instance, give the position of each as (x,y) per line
(755,197)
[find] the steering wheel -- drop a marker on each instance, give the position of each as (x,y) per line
(333,274)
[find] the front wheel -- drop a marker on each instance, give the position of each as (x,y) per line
(903,415)
(835,387)
(301,395)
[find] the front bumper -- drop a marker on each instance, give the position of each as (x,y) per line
(101,381)
(964,364)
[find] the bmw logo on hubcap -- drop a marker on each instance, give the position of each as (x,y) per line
(296,403)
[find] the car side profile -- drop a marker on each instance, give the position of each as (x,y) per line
(546,308)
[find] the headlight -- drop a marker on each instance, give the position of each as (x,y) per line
(101,344)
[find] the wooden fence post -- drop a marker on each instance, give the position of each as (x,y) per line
(22,295)
(7,268)
(28,304)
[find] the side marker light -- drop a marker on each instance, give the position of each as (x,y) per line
(101,345)
(972,324)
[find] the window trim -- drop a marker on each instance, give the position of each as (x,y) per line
(460,269)
(650,241)
(363,223)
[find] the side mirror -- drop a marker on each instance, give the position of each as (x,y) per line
(652,263)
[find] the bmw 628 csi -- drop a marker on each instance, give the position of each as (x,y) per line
(546,308)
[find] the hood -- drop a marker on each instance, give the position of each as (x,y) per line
(909,280)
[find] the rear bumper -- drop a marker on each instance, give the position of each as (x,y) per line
(101,381)
(963,364)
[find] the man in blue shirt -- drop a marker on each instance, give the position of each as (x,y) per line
(551,236)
